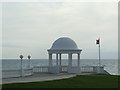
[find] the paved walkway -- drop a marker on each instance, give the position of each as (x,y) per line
(37,77)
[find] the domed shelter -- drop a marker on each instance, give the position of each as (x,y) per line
(64,45)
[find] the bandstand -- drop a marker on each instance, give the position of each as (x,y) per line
(64,45)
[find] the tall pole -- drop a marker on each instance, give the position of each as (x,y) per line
(99,53)
(98,42)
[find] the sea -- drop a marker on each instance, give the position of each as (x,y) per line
(110,65)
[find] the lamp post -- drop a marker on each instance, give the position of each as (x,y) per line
(29,60)
(21,56)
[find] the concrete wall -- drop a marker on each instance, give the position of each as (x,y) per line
(16,73)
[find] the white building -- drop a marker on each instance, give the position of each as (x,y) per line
(64,45)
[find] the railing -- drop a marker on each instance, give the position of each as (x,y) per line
(92,69)
(64,68)
(83,69)
(41,69)
(45,69)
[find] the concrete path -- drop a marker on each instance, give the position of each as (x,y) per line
(37,77)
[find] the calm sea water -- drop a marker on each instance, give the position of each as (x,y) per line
(111,65)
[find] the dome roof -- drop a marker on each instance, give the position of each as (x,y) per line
(64,43)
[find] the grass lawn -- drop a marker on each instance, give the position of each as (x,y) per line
(79,81)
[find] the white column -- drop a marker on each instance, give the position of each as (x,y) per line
(60,68)
(57,59)
(79,63)
(78,59)
(60,58)
(50,59)
(70,60)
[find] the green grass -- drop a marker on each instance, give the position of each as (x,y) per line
(80,81)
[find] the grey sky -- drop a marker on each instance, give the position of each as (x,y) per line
(31,28)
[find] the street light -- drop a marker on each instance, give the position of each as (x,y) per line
(29,60)
(21,56)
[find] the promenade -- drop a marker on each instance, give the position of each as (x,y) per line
(37,77)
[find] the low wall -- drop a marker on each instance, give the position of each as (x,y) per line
(66,69)
(92,69)
(17,73)
(54,69)
(42,69)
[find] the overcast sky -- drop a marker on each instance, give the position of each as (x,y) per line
(31,28)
